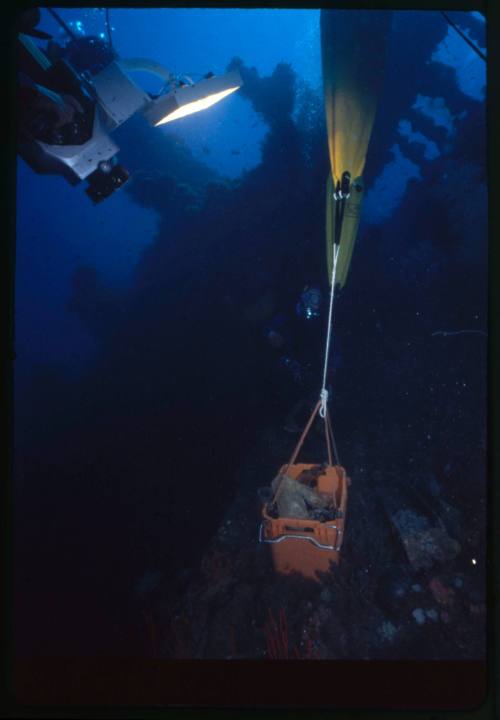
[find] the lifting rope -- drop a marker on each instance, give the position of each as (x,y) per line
(353,52)
(321,406)
(323,401)
(324,391)
(340,195)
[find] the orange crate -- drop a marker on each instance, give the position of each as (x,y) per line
(308,546)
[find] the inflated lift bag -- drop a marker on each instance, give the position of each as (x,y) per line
(353,50)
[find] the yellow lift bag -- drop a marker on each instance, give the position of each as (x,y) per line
(353,52)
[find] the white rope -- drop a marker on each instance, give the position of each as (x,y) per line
(324,400)
(324,391)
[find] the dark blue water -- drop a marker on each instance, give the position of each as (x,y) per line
(146,366)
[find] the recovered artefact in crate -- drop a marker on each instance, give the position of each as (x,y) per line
(307,544)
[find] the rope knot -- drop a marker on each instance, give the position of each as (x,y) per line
(324,400)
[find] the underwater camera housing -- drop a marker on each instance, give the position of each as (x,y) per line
(83,149)
(89,72)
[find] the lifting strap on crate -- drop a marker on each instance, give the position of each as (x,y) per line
(330,443)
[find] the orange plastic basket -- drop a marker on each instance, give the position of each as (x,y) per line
(308,546)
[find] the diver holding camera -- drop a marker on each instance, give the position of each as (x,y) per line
(57,107)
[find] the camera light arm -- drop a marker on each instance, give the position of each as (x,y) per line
(120,97)
(140,64)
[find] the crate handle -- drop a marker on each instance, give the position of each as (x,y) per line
(279,539)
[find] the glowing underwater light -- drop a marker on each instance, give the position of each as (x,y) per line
(196,106)
(189,99)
